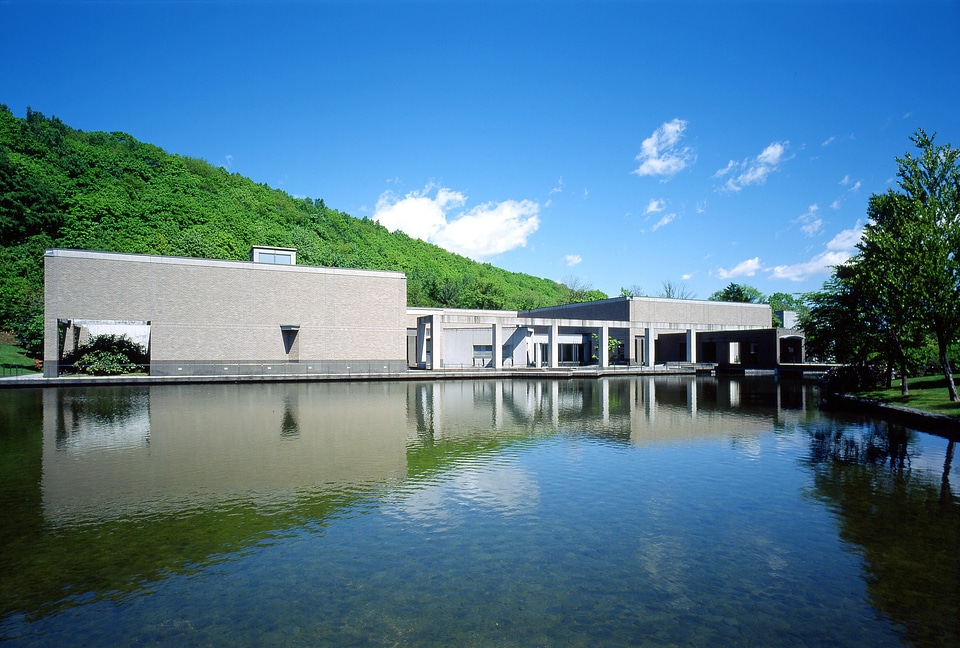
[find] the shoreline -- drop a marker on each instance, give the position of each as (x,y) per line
(37,380)
(941,424)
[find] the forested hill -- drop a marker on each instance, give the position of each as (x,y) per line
(61,187)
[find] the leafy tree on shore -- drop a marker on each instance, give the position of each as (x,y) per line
(834,325)
(931,189)
(904,283)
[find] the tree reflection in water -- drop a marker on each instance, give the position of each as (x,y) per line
(903,521)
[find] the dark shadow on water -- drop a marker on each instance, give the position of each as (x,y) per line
(903,521)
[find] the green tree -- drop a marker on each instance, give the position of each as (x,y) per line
(905,280)
(28,205)
(60,187)
(780,301)
(888,270)
(577,291)
(908,269)
(835,326)
(484,294)
(740,293)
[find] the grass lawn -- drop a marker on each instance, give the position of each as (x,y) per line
(14,355)
(928,393)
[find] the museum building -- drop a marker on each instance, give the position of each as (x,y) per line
(269,316)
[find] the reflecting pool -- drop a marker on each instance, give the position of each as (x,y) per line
(621,511)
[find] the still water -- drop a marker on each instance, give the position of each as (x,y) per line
(622,511)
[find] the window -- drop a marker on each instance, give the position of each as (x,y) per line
(289,333)
(570,353)
(274,258)
(273,255)
(483,351)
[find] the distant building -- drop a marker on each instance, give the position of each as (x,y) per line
(269,316)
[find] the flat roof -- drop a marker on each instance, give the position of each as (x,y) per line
(245,265)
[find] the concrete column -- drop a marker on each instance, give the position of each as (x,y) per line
(649,347)
(604,351)
(422,342)
(691,345)
(436,335)
(554,345)
(497,347)
(51,333)
(630,352)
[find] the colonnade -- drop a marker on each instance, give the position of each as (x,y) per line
(639,348)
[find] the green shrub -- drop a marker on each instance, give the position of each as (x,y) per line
(29,334)
(107,355)
(103,363)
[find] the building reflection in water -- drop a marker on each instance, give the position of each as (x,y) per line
(229,455)
(642,409)
(172,446)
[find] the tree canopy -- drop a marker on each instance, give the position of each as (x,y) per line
(61,187)
(903,286)
(741,293)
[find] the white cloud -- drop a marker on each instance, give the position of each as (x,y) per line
(754,170)
(661,155)
(731,165)
(847,240)
(840,248)
(572,259)
(417,213)
(746,268)
(667,218)
(559,187)
(484,231)
(810,223)
(829,141)
(655,205)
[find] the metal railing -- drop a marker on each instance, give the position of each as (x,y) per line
(8,370)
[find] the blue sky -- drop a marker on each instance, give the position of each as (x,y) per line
(618,144)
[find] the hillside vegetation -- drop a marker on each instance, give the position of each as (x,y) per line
(65,188)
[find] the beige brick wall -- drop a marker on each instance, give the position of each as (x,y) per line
(661,313)
(202,310)
(682,313)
